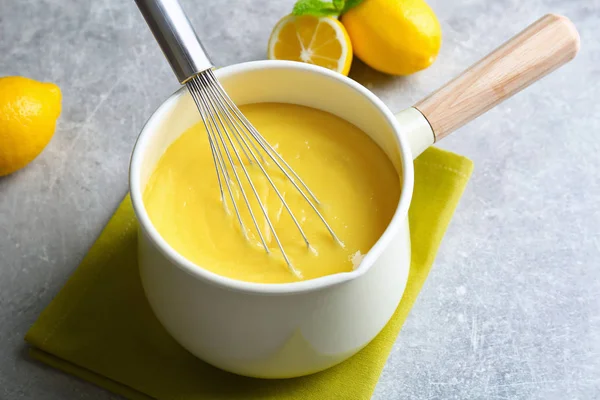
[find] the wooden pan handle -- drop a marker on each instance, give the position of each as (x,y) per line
(542,47)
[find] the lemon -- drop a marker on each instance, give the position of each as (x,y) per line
(28,113)
(398,37)
(321,41)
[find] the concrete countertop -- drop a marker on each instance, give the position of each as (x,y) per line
(511,309)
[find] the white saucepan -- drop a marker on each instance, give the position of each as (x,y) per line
(294,329)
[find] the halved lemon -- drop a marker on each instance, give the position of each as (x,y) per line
(321,41)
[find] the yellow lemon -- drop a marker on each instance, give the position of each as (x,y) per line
(28,113)
(321,41)
(398,37)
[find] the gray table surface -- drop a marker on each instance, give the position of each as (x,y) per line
(511,309)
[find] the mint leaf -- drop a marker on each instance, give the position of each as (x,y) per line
(338,4)
(350,4)
(320,8)
(316,8)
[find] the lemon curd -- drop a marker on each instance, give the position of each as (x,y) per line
(355,182)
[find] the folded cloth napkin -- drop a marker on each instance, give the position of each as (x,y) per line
(100,328)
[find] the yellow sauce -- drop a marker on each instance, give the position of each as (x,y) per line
(354,180)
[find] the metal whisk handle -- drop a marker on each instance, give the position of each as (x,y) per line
(176,37)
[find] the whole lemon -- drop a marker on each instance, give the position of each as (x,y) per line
(398,37)
(28,113)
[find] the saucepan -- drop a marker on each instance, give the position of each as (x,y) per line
(293,329)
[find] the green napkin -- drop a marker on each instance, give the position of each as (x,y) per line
(100,328)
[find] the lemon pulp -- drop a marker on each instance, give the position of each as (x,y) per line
(321,41)
(355,182)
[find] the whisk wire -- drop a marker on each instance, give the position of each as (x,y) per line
(210,140)
(239,128)
(217,156)
(285,205)
(235,126)
(275,157)
(214,116)
(230,131)
(264,144)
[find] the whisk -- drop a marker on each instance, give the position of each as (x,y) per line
(231,136)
